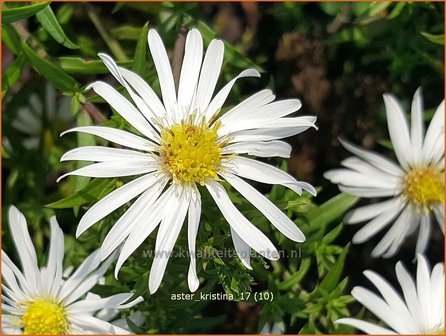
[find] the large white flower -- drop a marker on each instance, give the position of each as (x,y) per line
(415,186)
(184,145)
(421,311)
(40,301)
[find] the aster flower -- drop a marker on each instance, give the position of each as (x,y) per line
(415,185)
(421,311)
(40,301)
(182,145)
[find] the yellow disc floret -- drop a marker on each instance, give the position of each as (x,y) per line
(424,187)
(44,317)
(191,153)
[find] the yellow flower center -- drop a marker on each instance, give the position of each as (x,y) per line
(424,186)
(44,317)
(191,153)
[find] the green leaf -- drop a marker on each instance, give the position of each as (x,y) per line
(50,71)
(11,38)
(139,60)
(378,7)
(296,277)
(10,15)
(49,21)
(92,192)
(434,38)
(12,74)
(332,278)
(330,210)
(80,66)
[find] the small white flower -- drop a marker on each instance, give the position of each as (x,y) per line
(421,311)
(39,301)
(183,146)
(416,185)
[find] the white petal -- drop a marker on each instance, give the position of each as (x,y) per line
(367,327)
(290,125)
(265,206)
(409,291)
(366,168)
(111,302)
(394,234)
(417,126)
(352,178)
(124,108)
(246,231)
(190,69)
(439,216)
(117,136)
(424,287)
(265,173)
(89,264)
(220,98)
(114,169)
(193,222)
(144,91)
(253,102)
(134,215)
(209,74)
(85,323)
(242,249)
(273,132)
(168,233)
(14,282)
(114,200)
(437,295)
(398,131)
(379,222)
(241,118)
(392,297)
(434,131)
(143,107)
(145,223)
(55,258)
(163,69)
(24,246)
(370,192)
(101,154)
(260,148)
(375,159)
(424,234)
(367,212)
(381,309)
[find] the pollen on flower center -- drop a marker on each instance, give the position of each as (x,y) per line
(424,186)
(191,153)
(44,317)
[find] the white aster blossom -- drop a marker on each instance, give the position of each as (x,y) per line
(415,186)
(420,312)
(183,143)
(41,302)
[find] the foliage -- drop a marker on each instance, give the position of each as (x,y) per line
(57,44)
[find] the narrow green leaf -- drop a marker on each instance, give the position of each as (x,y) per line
(332,278)
(12,74)
(434,38)
(378,7)
(50,71)
(10,15)
(296,277)
(330,210)
(11,38)
(49,21)
(139,60)
(92,192)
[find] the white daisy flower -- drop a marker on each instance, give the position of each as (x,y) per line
(40,302)
(415,186)
(421,311)
(183,145)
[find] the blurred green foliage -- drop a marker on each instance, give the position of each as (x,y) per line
(54,47)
